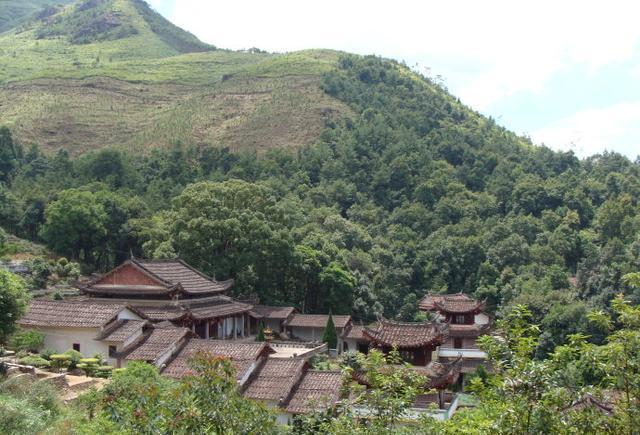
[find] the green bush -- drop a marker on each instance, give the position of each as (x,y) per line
(104,371)
(46,353)
(27,406)
(21,417)
(60,360)
(75,358)
(29,340)
(34,360)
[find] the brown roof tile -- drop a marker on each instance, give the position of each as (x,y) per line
(85,314)
(317,320)
(275,380)
(317,390)
(209,311)
(440,374)
(356,333)
(159,341)
(122,330)
(472,330)
(452,303)
(160,313)
(179,272)
(242,355)
(408,335)
(280,313)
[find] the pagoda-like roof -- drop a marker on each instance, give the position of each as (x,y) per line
(439,374)
(457,303)
(406,335)
(473,330)
(156,278)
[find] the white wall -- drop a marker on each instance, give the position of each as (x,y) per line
(481,319)
(313,334)
(62,339)
(273,324)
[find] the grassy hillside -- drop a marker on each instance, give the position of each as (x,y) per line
(14,13)
(117,73)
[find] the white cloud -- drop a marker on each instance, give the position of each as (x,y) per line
(512,46)
(594,130)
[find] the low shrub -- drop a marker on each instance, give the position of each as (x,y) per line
(33,394)
(46,353)
(89,365)
(75,358)
(104,371)
(61,360)
(34,360)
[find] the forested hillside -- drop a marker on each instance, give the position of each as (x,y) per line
(412,192)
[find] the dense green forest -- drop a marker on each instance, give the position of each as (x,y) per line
(413,193)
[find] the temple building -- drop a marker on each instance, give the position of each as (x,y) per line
(171,290)
(466,320)
(416,342)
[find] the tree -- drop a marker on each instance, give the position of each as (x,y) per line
(10,154)
(229,229)
(330,335)
(391,389)
(14,299)
(260,336)
(29,340)
(75,224)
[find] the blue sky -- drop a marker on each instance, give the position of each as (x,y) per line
(564,73)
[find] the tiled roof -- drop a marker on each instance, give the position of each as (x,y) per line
(472,330)
(280,313)
(317,390)
(219,306)
(69,314)
(317,320)
(160,313)
(159,341)
(242,355)
(355,333)
(228,308)
(122,329)
(179,272)
(452,303)
(275,379)
(588,401)
(440,374)
(407,335)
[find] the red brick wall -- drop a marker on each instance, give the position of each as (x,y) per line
(127,275)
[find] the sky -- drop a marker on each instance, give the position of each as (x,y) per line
(565,73)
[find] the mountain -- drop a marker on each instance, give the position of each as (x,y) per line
(101,73)
(16,12)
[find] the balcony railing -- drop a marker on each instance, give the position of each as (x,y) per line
(450,352)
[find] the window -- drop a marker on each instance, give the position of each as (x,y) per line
(112,351)
(407,356)
(457,343)
(459,319)
(76,346)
